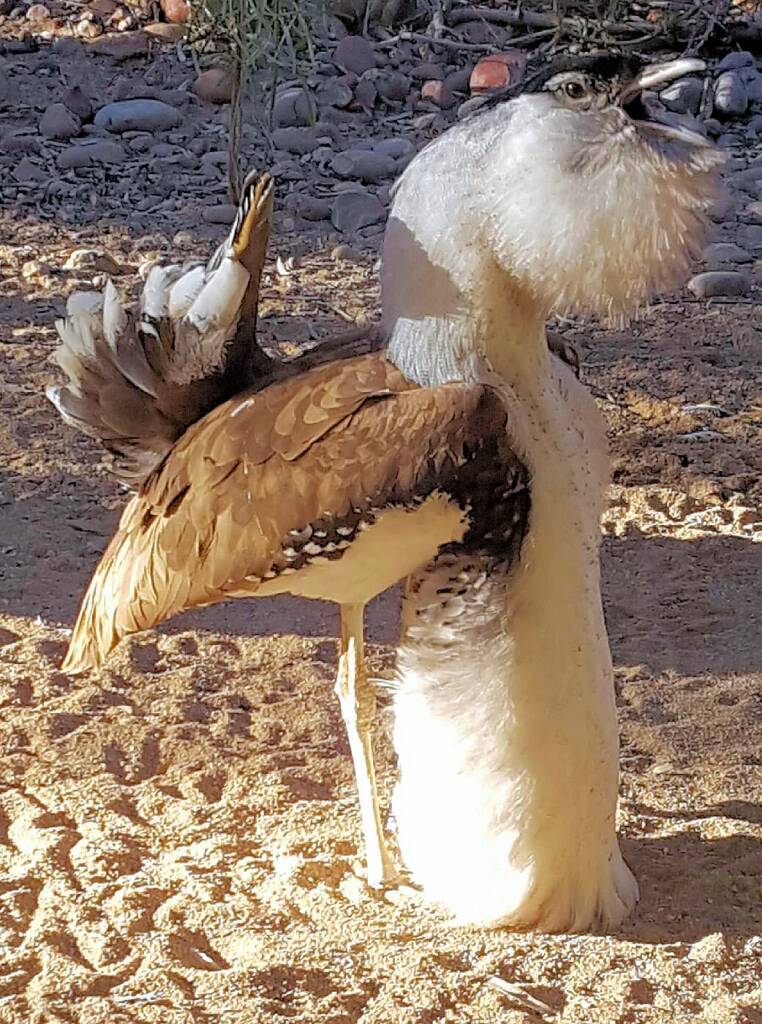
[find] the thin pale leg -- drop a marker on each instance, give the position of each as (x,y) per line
(358,708)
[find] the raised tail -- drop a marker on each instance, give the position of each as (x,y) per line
(136,379)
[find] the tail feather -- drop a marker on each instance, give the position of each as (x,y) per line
(135,380)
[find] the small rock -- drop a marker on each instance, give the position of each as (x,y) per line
(683,96)
(716,283)
(25,172)
(35,268)
(730,96)
(78,102)
(478,32)
(121,45)
(100,152)
(175,11)
(137,115)
(94,260)
(395,148)
(88,28)
(346,252)
(354,210)
(355,53)
(713,127)
(392,85)
(364,165)
(13,143)
(334,94)
(295,140)
(294,107)
(103,8)
(726,252)
(755,125)
(457,81)
(167,33)
(37,12)
(214,85)
(68,47)
(738,59)
(498,71)
(437,92)
(366,93)
(225,213)
(58,122)
(753,81)
(307,206)
(428,71)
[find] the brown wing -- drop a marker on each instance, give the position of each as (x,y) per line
(235,494)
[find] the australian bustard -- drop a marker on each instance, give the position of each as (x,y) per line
(466,457)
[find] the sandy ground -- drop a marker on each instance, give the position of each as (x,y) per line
(179,835)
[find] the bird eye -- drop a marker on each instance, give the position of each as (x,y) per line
(574,90)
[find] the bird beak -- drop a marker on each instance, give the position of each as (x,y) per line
(655,76)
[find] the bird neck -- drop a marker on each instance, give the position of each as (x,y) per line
(445,333)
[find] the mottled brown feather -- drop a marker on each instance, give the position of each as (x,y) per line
(214,518)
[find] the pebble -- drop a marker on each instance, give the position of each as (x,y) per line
(175,11)
(224,213)
(730,95)
(737,59)
(354,210)
(309,207)
(214,85)
(35,268)
(58,122)
(355,53)
(428,71)
(346,252)
(437,92)
(726,252)
(753,82)
(168,33)
(395,148)
(334,94)
(101,152)
(121,45)
(93,260)
(364,165)
(457,81)
(20,143)
(78,102)
(498,70)
(755,125)
(293,107)
(136,115)
(392,85)
(295,140)
(37,12)
(716,283)
(25,172)
(683,96)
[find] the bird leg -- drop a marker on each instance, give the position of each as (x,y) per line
(358,708)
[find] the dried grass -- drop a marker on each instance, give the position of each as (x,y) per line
(263,42)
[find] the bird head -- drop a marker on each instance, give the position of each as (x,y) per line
(590,200)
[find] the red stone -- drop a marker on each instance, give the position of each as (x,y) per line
(175,11)
(498,71)
(214,86)
(437,92)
